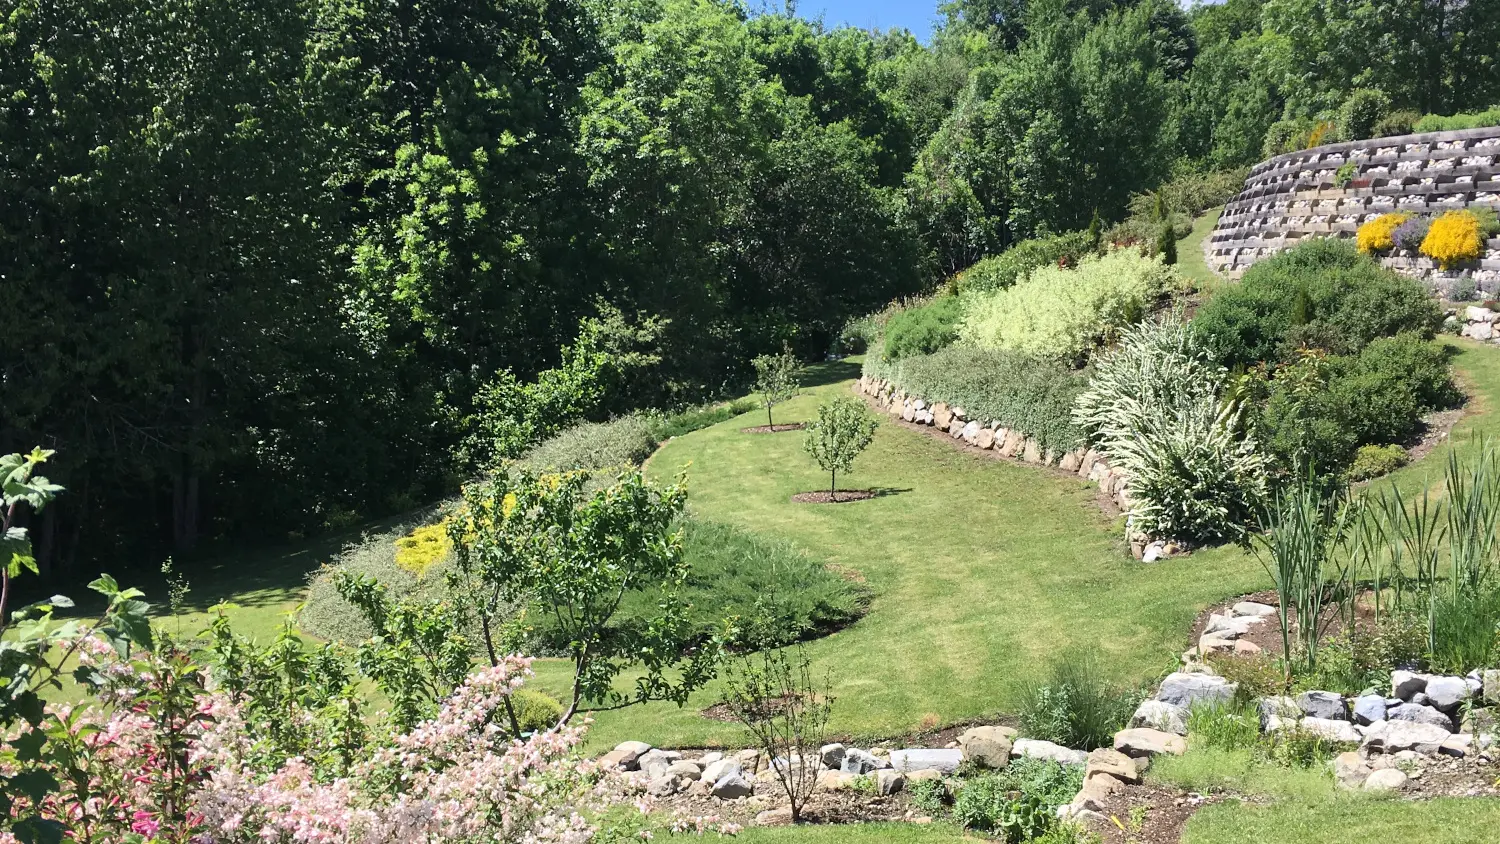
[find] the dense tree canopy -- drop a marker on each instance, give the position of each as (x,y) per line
(260,258)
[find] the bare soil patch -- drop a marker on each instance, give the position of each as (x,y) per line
(1150,814)
(843,496)
(774,429)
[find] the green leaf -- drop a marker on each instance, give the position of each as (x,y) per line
(29,745)
(61,601)
(105,585)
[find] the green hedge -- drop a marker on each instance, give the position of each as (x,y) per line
(1323,294)
(1001,271)
(1021,392)
(1454,122)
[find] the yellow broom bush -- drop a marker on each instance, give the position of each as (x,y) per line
(1453,238)
(1375,235)
(423,547)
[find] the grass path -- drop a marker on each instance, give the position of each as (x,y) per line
(983,570)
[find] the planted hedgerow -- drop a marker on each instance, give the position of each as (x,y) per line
(1023,393)
(1323,294)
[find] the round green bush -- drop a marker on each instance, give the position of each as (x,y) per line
(1372,461)
(536,712)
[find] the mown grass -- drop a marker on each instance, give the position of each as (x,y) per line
(1470,820)
(980,570)
(884,833)
(1190,260)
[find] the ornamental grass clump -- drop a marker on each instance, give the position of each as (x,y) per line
(1375,236)
(1453,239)
(1153,408)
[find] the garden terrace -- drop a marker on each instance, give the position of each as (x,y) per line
(1303,194)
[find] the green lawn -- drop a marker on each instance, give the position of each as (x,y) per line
(1447,821)
(883,833)
(1190,260)
(981,571)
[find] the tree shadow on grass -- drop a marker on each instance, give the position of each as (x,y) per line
(830,372)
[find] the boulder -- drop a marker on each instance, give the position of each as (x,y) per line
(1386,779)
(1111,763)
(685,768)
(988,747)
(1480,331)
(1160,715)
(924,775)
(1232,626)
(1095,794)
(1326,705)
(1350,769)
(835,780)
(775,817)
(1420,714)
(1474,313)
(970,432)
(1069,462)
(888,782)
(1458,745)
(1404,684)
(941,415)
(732,786)
(1145,742)
(656,762)
(1184,689)
(1031,452)
(985,438)
(1399,736)
(1368,709)
(908,413)
(1158,551)
(1034,749)
(1491,687)
(1253,609)
(1276,709)
(625,757)
(1333,729)
(857,761)
(832,755)
(710,758)
(956,427)
(665,785)
(1447,693)
(715,771)
(749,760)
(921,758)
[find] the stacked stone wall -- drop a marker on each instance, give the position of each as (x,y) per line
(1297,195)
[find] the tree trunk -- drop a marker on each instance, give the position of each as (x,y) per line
(185,507)
(833,486)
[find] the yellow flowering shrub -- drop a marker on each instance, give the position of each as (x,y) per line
(426,545)
(1375,235)
(1453,238)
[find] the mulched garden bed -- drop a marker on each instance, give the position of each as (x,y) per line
(843,496)
(1150,814)
(774,429)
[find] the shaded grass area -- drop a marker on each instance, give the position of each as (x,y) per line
(980,571)
(1443,821)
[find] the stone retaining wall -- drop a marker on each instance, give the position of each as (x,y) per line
(1296,196)
(989,434)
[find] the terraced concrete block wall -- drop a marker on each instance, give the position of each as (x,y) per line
(1296,196)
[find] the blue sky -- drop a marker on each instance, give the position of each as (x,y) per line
(915,15)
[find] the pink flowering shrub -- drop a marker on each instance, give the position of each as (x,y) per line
(165,760)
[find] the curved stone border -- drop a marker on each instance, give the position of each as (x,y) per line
(1086,463)
(1296,196)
